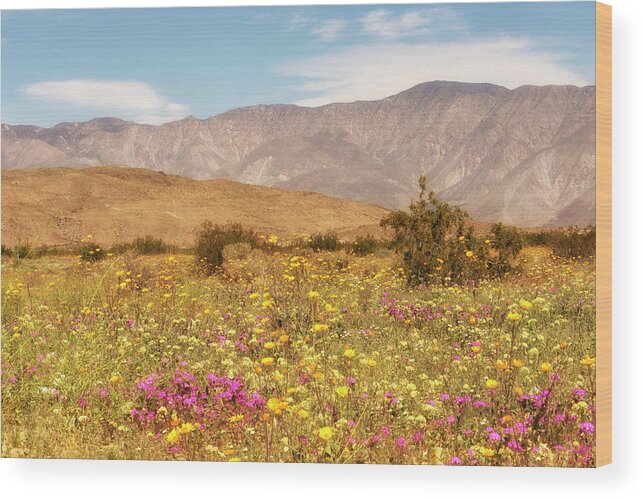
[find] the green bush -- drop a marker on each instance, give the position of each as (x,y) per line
(363,246)
(438,243)
(22,250)
(572,242)
(324,242)
(120,248)
(507,241)
(91,252)
(211,240)
(149,245)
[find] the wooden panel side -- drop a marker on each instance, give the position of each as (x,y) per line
(603,234)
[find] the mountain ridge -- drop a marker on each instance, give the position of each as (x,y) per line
(523,156)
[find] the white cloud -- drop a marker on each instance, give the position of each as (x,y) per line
(331,29)
(384,23)
(133,100)
(369,72)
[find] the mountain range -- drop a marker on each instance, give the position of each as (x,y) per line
(523,156)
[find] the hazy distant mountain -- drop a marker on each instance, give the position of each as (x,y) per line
(524,156)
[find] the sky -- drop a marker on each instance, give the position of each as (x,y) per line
(159,65)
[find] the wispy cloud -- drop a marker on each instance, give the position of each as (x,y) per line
(384,23)
(297,22)
(133,100)
(330,30)
(369,72)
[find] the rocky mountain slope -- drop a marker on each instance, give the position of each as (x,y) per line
(59,206)
(524,156)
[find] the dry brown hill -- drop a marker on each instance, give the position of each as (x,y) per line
(58,206)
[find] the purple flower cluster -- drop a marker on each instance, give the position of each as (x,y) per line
(218,398)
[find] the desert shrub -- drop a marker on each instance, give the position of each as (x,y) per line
(149,245)
(324,242)
(237,251)
(299,246)
(575,243)
(507,241)
(572,242)
(22,250)
(269,244)
(364,245)
(6,251)
(437,241)
(26,250)
(211,240)
(91,252)
(121,248)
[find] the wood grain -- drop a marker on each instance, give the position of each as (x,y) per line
(603,234)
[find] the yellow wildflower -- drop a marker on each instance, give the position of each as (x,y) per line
(174,436)
(514,316)
(326,433)
(491,384)
(342,391)
(319,328)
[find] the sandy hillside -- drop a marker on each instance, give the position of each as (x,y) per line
(58,206)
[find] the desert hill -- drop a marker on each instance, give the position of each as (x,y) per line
(523,156)
(57,206)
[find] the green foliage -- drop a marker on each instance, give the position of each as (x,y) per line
(149,245)
(436,241)
(121,248)
(507,241)
(438,244)
(213,238)
(364,245)
(20,251)
(91,252)
(572,242)
(324,242)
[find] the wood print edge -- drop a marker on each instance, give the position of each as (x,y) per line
(603,234)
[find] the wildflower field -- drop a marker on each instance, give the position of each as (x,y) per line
(297,356)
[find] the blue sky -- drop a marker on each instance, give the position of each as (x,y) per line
(158,65)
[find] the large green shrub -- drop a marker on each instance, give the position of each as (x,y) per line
(438,243)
